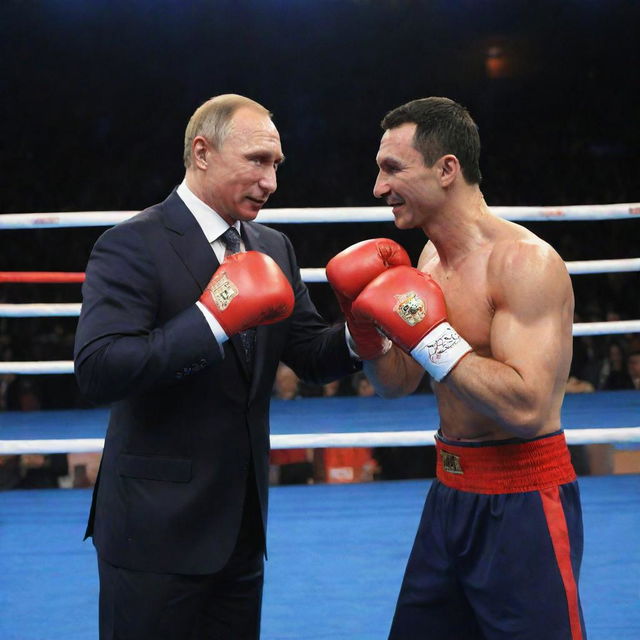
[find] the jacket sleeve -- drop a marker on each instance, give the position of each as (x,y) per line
(317,352)
(120,347)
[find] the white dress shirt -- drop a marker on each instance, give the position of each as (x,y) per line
(213,226)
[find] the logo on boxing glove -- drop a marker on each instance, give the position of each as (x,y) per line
(410,307)
(222,291)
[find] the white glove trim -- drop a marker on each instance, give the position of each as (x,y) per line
(440,350)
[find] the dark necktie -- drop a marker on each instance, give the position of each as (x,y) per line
(231,240)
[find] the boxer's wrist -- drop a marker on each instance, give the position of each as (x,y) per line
(385,344)
(440,350)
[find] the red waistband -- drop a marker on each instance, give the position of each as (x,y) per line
(505,468)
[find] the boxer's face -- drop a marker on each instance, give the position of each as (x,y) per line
(241,174)
(404,181)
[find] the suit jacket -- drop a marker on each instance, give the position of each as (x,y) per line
(186,420)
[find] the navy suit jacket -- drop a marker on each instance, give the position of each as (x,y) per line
(186,420)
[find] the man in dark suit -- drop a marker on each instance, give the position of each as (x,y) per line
(179,509)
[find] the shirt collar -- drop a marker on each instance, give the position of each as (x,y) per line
(212,225)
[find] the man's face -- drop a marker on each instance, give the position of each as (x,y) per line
(241,175)
(404,181)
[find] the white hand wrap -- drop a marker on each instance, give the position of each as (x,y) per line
(440,350)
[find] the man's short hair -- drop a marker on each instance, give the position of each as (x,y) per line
(442,126)
(212,120)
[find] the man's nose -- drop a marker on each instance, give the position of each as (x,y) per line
(269,182)
(380,188)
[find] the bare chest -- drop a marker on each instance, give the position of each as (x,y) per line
(469,306)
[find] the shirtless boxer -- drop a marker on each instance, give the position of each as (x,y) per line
(488,314)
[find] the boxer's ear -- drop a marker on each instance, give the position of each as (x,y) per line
(448,169)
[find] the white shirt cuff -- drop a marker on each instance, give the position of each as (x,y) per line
(218,332)
(351,345)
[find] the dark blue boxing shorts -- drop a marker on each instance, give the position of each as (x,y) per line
(498,550)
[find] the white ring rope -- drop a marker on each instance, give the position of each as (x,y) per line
(66,366)
(582,267)
(327,215)
(37,367)
(40,310)
(606,328)
(320,440)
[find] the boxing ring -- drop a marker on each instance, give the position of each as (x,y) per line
(336,552)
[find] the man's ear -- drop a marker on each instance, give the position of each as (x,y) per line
(449,169)
(200,151)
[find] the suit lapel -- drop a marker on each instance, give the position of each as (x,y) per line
(190,244)
(188,240)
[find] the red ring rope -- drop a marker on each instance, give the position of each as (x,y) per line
(40,276)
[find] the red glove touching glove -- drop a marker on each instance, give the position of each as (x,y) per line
(409,307)
(349,273)
(247,290)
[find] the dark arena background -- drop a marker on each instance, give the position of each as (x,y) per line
(95,99)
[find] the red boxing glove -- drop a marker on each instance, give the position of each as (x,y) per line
(248,290)
(349,273)
(409,307)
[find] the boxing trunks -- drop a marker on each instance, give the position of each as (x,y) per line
(498,550)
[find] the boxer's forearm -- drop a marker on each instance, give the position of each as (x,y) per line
(394,374)
(519,402)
